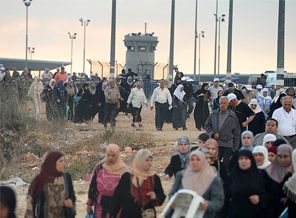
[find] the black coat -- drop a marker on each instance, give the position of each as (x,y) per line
(243,184)
(123,200)
(40,199)
(174,166)
(274,192)
(258,124)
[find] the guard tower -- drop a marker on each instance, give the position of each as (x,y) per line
(140,54)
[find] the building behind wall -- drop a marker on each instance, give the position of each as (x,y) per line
(140,54)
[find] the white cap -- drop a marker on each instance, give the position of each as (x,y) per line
(268,138)
(231,97)
(249,87)
(259,86)
(216,80)
(253,101)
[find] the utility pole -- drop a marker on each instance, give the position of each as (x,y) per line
(229,46)
(113,38)
(281,38)
(172,42)
(195,40)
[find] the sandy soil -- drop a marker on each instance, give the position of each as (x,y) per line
(164,139)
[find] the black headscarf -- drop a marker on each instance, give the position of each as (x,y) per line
(246,183)
(277,104)
(8,199)
(202,89)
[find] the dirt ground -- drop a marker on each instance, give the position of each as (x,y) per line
(164,141)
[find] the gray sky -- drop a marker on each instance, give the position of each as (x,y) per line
(254,31)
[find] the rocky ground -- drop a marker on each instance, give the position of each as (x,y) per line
(84,147)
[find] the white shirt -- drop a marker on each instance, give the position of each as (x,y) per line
(214,91)
(137,97)
(161,96)
(287,121)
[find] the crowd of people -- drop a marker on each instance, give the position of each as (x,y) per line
(259,182)
(243,165)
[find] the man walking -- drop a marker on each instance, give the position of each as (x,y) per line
(286,117)
(162,100)
(223,126)
(112,98)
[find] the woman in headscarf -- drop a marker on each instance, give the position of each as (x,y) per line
(179,108)
(104,181)
(138,192)
(178,161)
(212,149)
(83,109)
(101,96)
(247,140)
(7,202)
(269,140)
(290,190)
(272,153)
(70,93)
(261,157)
(276,104)
(94,99)
(51,192)
(275,177)
(201,178)
(48,98)
(201,110)
(257,125)
(34,92)
(246,188)
(59,97)
(264,101)
(216,103)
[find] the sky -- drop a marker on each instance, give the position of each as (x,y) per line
(254,31)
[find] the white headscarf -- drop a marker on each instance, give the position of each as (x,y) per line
(198,181)
(267,97)
(261,149)
(290,185)
(179,92)
(257,109)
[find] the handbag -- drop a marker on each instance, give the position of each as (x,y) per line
(69,212)
(146,213)
(43,95)
(92,215)
(76,98)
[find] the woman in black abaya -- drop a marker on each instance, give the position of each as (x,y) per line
(83,110)
(201,110)
(247,195)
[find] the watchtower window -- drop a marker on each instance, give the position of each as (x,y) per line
(130,48)
(142,48)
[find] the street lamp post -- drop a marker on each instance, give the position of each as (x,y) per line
(27,4)
(172,42)
(229,46)
(72,37)
(195,39)
(199,36)
(84,23)
(31,51)
(113,40)
(221,19)
(215,52)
